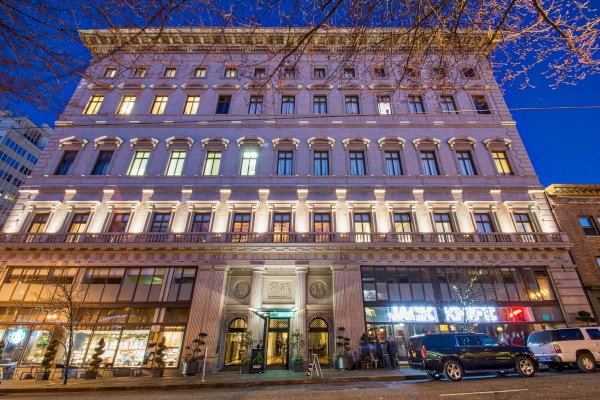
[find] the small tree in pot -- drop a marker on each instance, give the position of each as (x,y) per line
(297,344)
(159,358)
(43,373)
(194,355)
(96,360)
(343,349)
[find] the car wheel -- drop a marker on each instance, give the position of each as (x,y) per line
(525,367)
(453,371)
(586,362)
(556,367)
(435,375)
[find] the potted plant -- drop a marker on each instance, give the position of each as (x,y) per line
(246,343)
(159,359)
(94,364)
(43,373)
(343,349)
(194,355)
(297,343)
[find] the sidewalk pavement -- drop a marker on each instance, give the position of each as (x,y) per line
(228,379)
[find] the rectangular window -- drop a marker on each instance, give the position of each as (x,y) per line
(119,223)
(176,161)
(322,227)
(126,106)
(523,223)
(79,222)
(384,105)
(415,104)
(447,103)
(159,105)
(223,104)
(101,166)
(319,73)
(587,224)
(139,73)
(260,72)
(481,105)
(289,72)
(321,163)
(320,105)
(357,163)
(465,163)
(281,228)
(66,163)
(38,223)
(402,222)
(429,163)
(288,104)
(483,221)
(139,163)
(362,227)
(440,73)
(443,224)
(201,222)
(256,105)
(349,73)
(379,72)
(352,105)
(249,159)
(93,105)
(241,224)
(469,72)
(200,72)
(502,165)
(230,72)
(285,163)
(598,261)
(212,163)
(110,72)
(160,222)
(191,105)
(170,72)
(392,163)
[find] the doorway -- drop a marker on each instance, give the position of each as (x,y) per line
(277,342)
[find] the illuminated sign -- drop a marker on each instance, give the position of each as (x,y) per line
(282,314)
(17,336)
(413,314)
(473,314)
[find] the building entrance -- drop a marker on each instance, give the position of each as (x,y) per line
(277,342)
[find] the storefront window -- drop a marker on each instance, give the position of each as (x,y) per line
(81,340)
(111,340)
(36,347)
(132,348)
(8,314)
(14,341)
(113,315)
(173,340)
(176,315)
(141,315)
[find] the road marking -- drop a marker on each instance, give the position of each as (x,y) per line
(496,391)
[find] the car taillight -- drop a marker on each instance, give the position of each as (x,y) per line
(557,348)
(423,352)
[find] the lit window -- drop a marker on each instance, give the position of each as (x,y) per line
(322,225)
(392,163)
(429,163)
(284,163)
(281,228)
(101,166)
(587,224)
(289,72)
(443,224)
(93,105)
(119,223)
(384,105)
(191,105)
(481,105)
(260,72)
(249,160)
(501,162)
(321,163)
(352,105)
(66,163)
(402,222)
(79,223)
(288,104)
(110,73)
(38,223)
(483,221)
(201,222)
(170,72)
(126,106)
(241,224)
(469,73)
(223,104)
(159,105)
(230,72)
(139,163)
(200,72)
(349,73)
(523,223)
(160,222)
(320,105)
(256,105)
(139,73)
(357,163)
(176,161)
(212,163)
(415,104)
(465,162)
(362,227)
(379,72)
(448,105)
(319,73)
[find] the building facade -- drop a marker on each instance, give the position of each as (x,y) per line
(21,143)
(577,210)
(206,188)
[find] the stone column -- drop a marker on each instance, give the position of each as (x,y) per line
(300,305)
(348,311)
(255,323)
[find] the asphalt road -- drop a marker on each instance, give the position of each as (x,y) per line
(566,385)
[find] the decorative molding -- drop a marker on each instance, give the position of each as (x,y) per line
(108,141)
(382,87)
(257,86)
(194,86)
(319,86)
(351,86)
(476,86)
(497,141)
(100,87)
(445,87)
(163,86)
(462,140)
(132,86)
(180,141)
(144,141)
(250,141)
(72,141)
(226,86)
(391,140)
(574,190)
(286,141)
(288,86)
(426,140)
(320,140)
(354,141)
(215,141)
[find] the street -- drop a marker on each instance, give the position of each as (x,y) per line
(546,385)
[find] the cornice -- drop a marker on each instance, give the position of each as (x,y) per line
(573,190)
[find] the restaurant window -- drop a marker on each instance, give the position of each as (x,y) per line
(256,105)
(429,163)
(223,104)
(111,341)
(160,222)
(288,104)
(14,339)
(321,163)
(235,352)
(240,228)
(93,105)
(159,105)
(66,163)
(38,223)
(357,163)
(176,161)
(320,105)
(201,222)
(322,227)
(465,163)
(191,105)
(102,162)
(36,347)
(126,106)
(362,227)
(119,222)
(352,106)
(392,163)
(384,105)
(132,348)
(285,163)
(281,227)
(139,163)
(249,160)
(318,339)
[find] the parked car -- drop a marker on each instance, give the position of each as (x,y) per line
(453,354)
(558,348)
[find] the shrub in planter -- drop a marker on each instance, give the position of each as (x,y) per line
(194,355)
(297,344)
(43,373)
(94,364)
(159,359)
(343,349)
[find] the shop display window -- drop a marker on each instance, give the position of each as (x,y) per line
(36,347)
(14,341)
(132,348)
(111,340)
(81,339)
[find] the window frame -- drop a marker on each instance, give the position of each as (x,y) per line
(352,104)
(200,72)
(591,229)
(357,161)
(398,161)
(223,106)
(481,104)
(349,73)
(284,102)
(363,236)
(111,222)
(110,72)
(320,104)
(106,165)
(140,72)
(414,101)
(94,104)
(141,161)
(208,159)
(460,161)
(327,160)
(285,165)
(191,105)
(321,74)
(65,165)
(230,72)
(175,165)
(159,105)
(127,104)
(153,221)
(288,72)
(249,167)
(379,73)
(491,222)
(506,160)
(193,221)
(256,105)
(41,227)
(436,164)
(444,104)
(170,72)
(260,72)
(388,102)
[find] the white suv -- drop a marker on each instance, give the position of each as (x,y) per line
(560,347)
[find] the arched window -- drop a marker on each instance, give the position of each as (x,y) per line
(318,339)
(235,334)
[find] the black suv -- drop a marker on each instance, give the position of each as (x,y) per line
(451,354)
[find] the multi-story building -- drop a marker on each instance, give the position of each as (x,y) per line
(21,143)
(204,189)
(577,210)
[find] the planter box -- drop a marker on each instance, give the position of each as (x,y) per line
(190,368)
(298,366)
(154,372)
(42,376)
(343,362)
(90,375)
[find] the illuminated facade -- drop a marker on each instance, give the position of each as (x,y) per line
(198,191)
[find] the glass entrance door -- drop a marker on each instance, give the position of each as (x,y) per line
(277,342)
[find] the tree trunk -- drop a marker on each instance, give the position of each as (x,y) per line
(68,357)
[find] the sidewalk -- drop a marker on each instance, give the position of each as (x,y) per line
(213,380)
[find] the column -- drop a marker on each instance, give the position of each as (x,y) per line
(255,323)
(300,305)
(348,310)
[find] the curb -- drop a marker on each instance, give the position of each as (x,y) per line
(212,385)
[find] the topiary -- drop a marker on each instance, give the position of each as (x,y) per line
(49,355)
(96,360)
(159,354)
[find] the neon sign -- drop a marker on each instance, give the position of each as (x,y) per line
(413,314)
(473,314)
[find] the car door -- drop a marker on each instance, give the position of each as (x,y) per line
(496,356)
(470,351)
(594,334)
